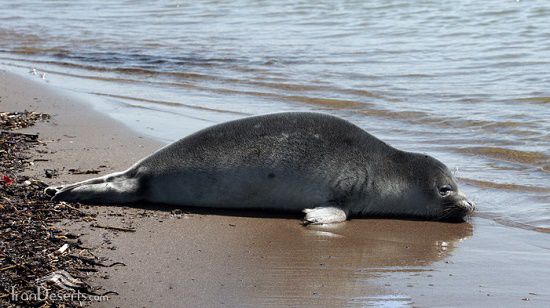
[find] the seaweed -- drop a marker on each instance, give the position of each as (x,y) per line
(41,264)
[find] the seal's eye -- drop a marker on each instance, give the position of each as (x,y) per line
(445,190)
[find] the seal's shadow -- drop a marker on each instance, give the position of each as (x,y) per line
(256,213)
(259,213)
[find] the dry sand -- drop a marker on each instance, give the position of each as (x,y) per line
(214,258)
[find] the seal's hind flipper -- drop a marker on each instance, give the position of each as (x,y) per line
(324,215)
(51,191)
(112,188)
(108,192)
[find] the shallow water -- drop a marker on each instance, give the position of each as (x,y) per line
(467,83)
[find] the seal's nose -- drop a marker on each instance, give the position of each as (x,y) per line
(467,205)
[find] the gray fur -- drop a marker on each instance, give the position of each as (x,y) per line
(284,161)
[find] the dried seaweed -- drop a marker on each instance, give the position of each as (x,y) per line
(33,251)
(17,120)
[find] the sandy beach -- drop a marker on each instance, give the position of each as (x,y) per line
(199,258)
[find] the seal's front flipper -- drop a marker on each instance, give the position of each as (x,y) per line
(324,215)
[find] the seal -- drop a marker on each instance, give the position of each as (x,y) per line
(317,163)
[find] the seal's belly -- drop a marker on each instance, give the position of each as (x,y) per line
(255,189)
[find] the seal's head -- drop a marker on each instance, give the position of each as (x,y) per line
(424,188)
(438,192)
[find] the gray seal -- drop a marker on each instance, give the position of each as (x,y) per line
(320,164)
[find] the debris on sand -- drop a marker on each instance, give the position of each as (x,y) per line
(78,171)
(17,120)
(50,173)
(113,228)
(34,252)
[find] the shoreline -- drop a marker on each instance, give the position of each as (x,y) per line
(196,259)
(76,134)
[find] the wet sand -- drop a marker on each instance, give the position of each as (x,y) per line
(223,258)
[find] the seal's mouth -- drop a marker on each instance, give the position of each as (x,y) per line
(457,211)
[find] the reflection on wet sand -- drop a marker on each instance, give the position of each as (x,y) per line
(333,265)
(217,258)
